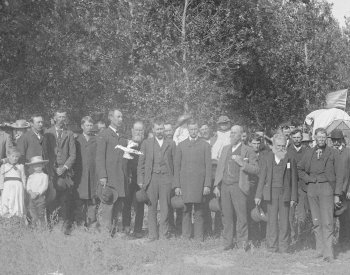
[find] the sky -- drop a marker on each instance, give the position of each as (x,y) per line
(341,8)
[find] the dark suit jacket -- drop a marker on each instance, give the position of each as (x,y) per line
(290,178)
(247,171)
(297,156)
(145,165)
(30,146)
(192,169)
(110,163)
(332,165)
(345,177)
(60,153)
(85,178)
(5,144)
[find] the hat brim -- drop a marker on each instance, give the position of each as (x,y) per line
(20,127)
(37,162)
(223,122)
(183,119)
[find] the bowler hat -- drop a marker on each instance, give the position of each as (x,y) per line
(223,119)
(141,196)
(20,124)
(258,214)
(37,160)
(214,205)
(177,202)
(337,134)
(338,210)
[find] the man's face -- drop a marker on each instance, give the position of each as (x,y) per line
(60,119)
(205,132)
(38,123)
(244,137)
(279,145)
(101,126)
(224,126)
(337,142)
(255,145)
(286,131)
(168,131)
(235,135)
(138,132)
(193,130)
(116,119)
(87,127)
(158,130)
(296,138)
(321,139)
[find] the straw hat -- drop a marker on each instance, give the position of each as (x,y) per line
(20,124)
(37,160)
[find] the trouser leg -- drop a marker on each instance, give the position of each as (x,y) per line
(126,216)
(239,200)
(228,213)
(272,226)
(284,223)
(198,221)
(105,216)
(187,221)
(316,217)
(164,202)
(327,210)
(139,214)
(153,194)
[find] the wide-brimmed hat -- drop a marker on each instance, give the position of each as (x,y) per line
(258,215)
(306,138)
(141,196)
(214,205)
(223,119)
(337,134)
(20,124)
(177,202)
(37,160)
(183,118)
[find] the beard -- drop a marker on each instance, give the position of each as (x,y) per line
(137,138)
(279,153)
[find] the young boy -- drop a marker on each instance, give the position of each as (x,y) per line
(37,185)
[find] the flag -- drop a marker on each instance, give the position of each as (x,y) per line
(337,99)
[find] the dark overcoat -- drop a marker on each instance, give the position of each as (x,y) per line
(30,146)
(85,178)
(290,178)
(345,162)
(110,163)
(192,169)
(5,144)
(145,165)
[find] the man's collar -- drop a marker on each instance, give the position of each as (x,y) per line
(159,140)
(297,148)
(193,139)
(234,147)
(113,129)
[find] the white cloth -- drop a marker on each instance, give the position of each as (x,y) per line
(234,148)
(12,199)
(181,133)
(160,141)
(277,159)
(297,148)
(113,129)
(223,139)
(38,183)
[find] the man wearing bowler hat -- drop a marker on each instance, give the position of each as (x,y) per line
(155,172)
(61,153)
(236,165)
(192,179)
(338,143)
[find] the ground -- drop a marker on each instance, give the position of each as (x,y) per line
(26,251)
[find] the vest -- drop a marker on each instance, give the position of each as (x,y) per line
(318,169)
(232,169)
(159,165)
(277,174)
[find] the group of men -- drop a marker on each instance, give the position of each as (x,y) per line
(287,178)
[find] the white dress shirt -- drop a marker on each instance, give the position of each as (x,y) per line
(160,141)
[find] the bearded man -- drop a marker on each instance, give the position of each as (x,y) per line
(278,186)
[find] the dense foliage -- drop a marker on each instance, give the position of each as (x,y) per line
(258,61)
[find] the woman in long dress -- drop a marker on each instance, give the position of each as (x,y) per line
(12,181)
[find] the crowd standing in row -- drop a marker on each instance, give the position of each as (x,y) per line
(95,179)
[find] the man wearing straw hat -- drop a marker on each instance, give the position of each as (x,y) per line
(37,186)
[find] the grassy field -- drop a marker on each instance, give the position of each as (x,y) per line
(25,251)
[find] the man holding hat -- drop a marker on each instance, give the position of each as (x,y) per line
(343,190)
(192,179)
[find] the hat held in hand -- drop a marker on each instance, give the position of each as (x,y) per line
(20,124)
(214,205)
(258,215)
(141,196)
(37,160)
(177,202)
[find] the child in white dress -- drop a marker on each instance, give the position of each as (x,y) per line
(12,182)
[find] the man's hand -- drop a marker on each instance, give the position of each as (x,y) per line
(61,170)
(178,191)
(238,159)
(336,200)
(103,182)
(206,191)
(293,203)
(216,192)
(348,195)
(140,184)
(257,201)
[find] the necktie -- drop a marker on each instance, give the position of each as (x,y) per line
(319,153)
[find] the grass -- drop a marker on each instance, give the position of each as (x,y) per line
(26,251)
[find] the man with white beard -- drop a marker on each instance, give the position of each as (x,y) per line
(278,186)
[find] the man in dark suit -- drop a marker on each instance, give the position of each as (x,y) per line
(321,171)
(31,143)
(298,214)
(155,173)
(61,152)
(343,190)
(278,185)
(237,163)
(85,178)
(138,132)
(192,179)
(5,146)
(111,172)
